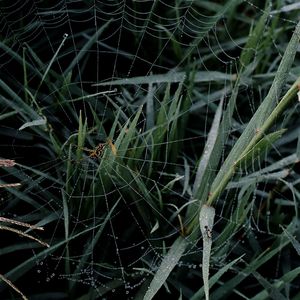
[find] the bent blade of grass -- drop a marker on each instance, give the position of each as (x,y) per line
(37,122)
(206,221)
(167,265)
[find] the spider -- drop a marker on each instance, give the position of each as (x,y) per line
(99,149)
(208,232)
(97,152)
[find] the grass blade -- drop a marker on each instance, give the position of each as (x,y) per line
(169,262)
(206,220)
(37,122)
(171,77)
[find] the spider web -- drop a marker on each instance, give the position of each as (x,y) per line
(100,61)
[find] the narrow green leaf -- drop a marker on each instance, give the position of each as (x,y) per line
(7,115)
(206,220)
(127,133)
(37,122)
(167,265)
(50,64)
(298,148)
(171,77)
(150,108)
(81,136)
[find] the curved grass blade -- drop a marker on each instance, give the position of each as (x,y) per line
(37,122)
(206,220)
(166,267)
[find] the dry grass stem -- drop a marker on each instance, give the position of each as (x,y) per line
(2,219)
(9,185)
(7,163)
(24,235)
(13,286)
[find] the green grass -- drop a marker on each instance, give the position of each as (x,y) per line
(199,160)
